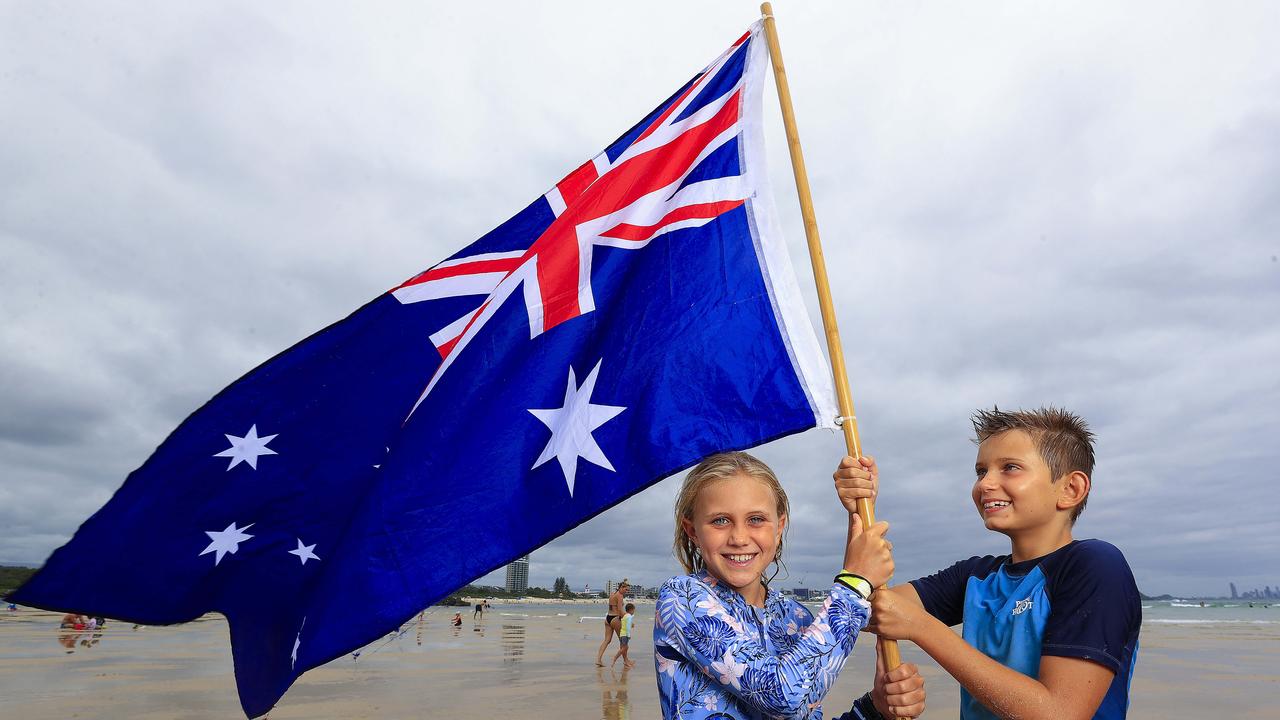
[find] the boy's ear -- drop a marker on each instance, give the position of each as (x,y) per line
(1074,490)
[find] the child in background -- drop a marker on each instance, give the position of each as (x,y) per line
(73,621)
(1051,629)
(725,643)
(624,637)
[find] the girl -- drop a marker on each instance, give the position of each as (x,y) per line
(727,645)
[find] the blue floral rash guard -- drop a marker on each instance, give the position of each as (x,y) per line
(720,658)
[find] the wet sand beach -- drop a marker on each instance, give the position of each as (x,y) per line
(527,661)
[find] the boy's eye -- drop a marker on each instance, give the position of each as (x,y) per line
(1012,466)
(981,472)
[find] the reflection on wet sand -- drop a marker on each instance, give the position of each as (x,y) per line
(614,702)
(512,643)
(68,638)
(75,631)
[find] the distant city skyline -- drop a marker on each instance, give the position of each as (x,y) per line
(536,580)
(1266,593)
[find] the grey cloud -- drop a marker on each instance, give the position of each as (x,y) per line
(42,411)
(1023,205)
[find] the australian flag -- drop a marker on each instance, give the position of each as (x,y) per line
(638,316)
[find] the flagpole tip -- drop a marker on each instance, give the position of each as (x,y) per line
(766,10)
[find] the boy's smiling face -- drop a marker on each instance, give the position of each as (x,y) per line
(1014,490)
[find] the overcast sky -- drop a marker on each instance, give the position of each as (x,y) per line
(1021,203)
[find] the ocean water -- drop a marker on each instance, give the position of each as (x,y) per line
(1213,612)
(1154,612)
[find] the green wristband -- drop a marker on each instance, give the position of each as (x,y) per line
(858,584)
(863,578)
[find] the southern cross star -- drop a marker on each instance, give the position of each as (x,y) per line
(247,448)
(304,552)
(225,541)
(571,427)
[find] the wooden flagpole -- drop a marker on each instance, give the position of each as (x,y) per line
(848,421)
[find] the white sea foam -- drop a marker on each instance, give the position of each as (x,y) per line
(1171,621)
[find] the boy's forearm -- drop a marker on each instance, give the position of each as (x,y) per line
(1005,691)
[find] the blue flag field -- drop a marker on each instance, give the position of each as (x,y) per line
(639,315)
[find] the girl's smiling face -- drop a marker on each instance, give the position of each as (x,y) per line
(737,528)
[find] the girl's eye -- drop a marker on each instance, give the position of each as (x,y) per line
(758,519)
(720,521)
(1012,466)
(982,473)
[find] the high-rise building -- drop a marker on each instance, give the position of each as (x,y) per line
(518,576)
(1234,596)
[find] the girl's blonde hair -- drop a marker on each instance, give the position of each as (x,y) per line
(720,466)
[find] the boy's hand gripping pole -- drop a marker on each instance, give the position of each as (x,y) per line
(847,420)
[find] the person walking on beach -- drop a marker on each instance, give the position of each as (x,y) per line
(612,619)
(726,644)
(624,638)
(480,608)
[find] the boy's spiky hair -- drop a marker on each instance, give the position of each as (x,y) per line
(1062,438)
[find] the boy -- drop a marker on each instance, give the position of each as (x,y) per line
(1050,630)
(624,638)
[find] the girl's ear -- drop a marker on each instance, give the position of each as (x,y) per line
(687,527)
(782,524)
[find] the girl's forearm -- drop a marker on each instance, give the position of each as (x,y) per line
(1005,691)
(848,545)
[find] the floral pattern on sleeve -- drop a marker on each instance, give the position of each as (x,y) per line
(716,654)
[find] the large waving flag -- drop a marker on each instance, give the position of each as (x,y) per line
(638,316)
